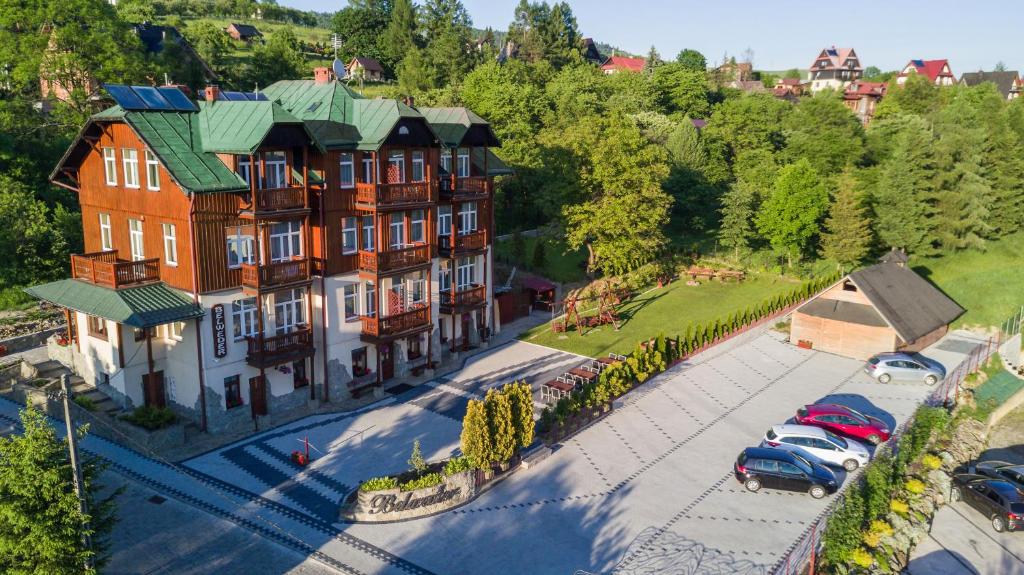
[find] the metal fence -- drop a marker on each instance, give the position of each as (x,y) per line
(801,556)
(1009,339)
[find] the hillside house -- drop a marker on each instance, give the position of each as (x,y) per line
(1008,82)
(834,69)
(862,98)
(937,72)
(365,68)
(616,64)
(243,32)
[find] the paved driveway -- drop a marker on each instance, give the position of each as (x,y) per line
(962,542)
(646,488)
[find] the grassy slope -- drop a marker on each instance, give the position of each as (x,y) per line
(561,264)
(668,310)
(987,284)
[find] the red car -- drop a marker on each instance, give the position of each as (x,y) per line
(842,419)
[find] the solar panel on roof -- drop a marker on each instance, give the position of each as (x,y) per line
(125,97)
(177,98)
(151,96)
(254,96)
(234,96)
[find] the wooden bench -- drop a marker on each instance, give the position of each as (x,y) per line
(705,273)
(731,275)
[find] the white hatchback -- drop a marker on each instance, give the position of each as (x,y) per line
(823,444)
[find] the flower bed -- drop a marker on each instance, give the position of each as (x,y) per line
(434,488)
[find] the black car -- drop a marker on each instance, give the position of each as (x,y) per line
(758,467)
(999,500)
(1012,472)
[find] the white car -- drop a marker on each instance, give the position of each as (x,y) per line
(825,445)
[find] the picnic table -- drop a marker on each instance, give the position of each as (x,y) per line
(554,390)
(585,374)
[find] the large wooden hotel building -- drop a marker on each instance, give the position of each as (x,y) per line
(254,252)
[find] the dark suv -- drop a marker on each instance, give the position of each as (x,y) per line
(758,467)
(999,500)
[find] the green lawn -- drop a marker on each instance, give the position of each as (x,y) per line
(987,284)
(668,310)
(560,263)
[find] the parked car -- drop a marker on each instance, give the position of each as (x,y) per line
(886,367)
(844,421)
(1012,472)
(758,467)
(821,443)
(999,500)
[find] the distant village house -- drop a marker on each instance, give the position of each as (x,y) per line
(834,69)
(365,68)
(243,32)
(1008,81)
(937,72)
(616,64)
(863,97)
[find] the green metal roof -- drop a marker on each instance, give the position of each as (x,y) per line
(140,306)
(451,124)
(495,166)
(235,127)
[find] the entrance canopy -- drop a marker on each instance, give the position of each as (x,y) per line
(142,306)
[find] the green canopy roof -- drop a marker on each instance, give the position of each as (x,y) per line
(140,306)
(452,125)
(239,127)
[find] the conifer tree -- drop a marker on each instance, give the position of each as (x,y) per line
(476,436)
(737,211)
(521,400)
(847,236)
(905,194)
(500,426)
(399,38)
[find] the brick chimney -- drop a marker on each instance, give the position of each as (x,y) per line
(211,92)
(409,101)
(322,75)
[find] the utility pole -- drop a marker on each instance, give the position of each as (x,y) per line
(76,468)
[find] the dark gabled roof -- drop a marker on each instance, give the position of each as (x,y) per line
(174,137)
(246,30)
(1003,80)
(141,306)
(368,64)
(894,256)
(844,311)
(911,305)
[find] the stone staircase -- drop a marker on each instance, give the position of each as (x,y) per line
(52,370)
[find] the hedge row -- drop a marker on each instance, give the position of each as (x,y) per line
(653,357)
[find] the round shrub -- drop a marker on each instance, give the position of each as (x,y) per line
(931,461)
(379,484)
(862,558)
(914,486)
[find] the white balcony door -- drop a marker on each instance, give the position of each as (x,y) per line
(285,241)
(289,310)
(135,240)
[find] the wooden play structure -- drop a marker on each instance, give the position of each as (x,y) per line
(607,300)
(708,274)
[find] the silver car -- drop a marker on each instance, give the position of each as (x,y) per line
(886,367)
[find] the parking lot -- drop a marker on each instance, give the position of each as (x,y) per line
(649,486)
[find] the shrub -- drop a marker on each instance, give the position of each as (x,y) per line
(416,462)
(151,418)
(562,409)
(85,403)
(547,419)
(475,439)
(862,558)
(878,486)
(899,507)
(876,531)
(379,484)
(500,426)
(428,480)
(914,486)
(457,465)
(931,461)
(843,532)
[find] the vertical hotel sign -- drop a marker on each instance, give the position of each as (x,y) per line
(220,331)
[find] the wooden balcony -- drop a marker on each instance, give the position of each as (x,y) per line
(392,326)
(279,200)
(107,270)
(391,261)
(274,350)
(465,188)
(276,274)
(387,195)
(463,300)
(464,243)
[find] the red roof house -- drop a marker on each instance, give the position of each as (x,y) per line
(937,72)
(862,97)
(619,63)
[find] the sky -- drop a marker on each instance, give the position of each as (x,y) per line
(783,34)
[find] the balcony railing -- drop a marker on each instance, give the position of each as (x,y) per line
(463,242)
(466,186)
(396,324)
(269,351)
(280,199)
(392,194)
(106,269)
(392,260)
(463,298)
(275,274)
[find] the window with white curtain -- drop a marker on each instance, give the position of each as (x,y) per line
(368,171)
(243,315)
(170,244)
(444,220)
(397,231)
(106,237)
(418,173)
(276,166)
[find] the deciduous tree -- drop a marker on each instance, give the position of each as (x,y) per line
(790,217)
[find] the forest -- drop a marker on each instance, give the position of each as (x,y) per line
(611,164)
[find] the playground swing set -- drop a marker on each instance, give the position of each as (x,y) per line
(607,301)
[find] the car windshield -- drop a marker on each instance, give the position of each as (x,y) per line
(802,463)
(836,439)
(857,415)
(771,434)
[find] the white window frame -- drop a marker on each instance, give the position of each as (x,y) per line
(350,302)
(446,161)
(152,172)
(369,175)
(245,171)
(243,315)
(241,244)
(130,162)
(175,329)
(136,240)
(346,163)
(467,218)
(170,244)
(417,226)
(466,273)
(349,235)
(444,278)
(110,166)
(106,233)
(290,310)
(286,240)
(463,163)
(419,172)
(418,290)
(371,299)
(396,158)
(276,165)
(444,219)
(396,230)
(369,234)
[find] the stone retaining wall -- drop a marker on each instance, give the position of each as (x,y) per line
(389,505)
(23,342)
